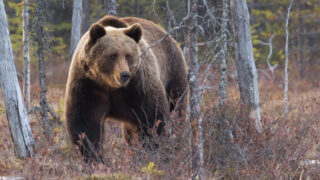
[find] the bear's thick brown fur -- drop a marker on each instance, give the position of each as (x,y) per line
(114,75)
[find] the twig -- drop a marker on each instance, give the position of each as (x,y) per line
(158,41)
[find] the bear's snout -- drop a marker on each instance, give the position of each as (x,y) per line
(124,76)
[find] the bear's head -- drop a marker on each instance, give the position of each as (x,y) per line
(112,54)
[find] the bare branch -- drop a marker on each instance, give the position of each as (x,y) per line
(158,41)
(270,67)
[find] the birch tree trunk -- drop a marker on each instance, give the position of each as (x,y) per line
(224,136)
(224,50)
(286,76)
(246,68)
(17,115)
(85,21)
(76,25)
(195,103)
(111,7)
(26,55)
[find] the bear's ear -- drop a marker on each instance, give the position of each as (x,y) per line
(134,32)
(96,32)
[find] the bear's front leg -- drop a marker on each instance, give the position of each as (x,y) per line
(86,109)
(151,110)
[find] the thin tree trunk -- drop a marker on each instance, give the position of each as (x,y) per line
(85,21)
(76,25)
(286,77)
(26,55)
(17,115)
(41,37)
(224,136)
(111,7)
(195,103)
(43,93)
(246,68)
(224,50)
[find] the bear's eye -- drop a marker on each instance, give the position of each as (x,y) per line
(128,57)
(113,56)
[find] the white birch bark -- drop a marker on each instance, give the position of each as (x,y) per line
(26,55)
(271,68)
(17,116)
(195,103)
(111,7)
(286,76)
(225,136)
(246,68)
(76,25)
(223,57)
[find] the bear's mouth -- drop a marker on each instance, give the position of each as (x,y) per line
(112,82)
(120,83)
(123,84)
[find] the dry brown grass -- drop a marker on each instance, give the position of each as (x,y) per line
(278,152)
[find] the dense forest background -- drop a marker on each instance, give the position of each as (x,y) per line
(267,19)
(287,145)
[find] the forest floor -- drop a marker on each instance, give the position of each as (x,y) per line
(57,159)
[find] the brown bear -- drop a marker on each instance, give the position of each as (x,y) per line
(125,69)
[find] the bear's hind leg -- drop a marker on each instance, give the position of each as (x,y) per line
(178,97)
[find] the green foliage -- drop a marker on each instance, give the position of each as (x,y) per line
(267,23)
(138,8)
(151,170)
(268,17)
(60,110)
(97,10)
(17,6)
(2,109)
(59,16)
(59,27)
(15,28)
(57,42)
(255,41)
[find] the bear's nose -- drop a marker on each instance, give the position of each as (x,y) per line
(124,76)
